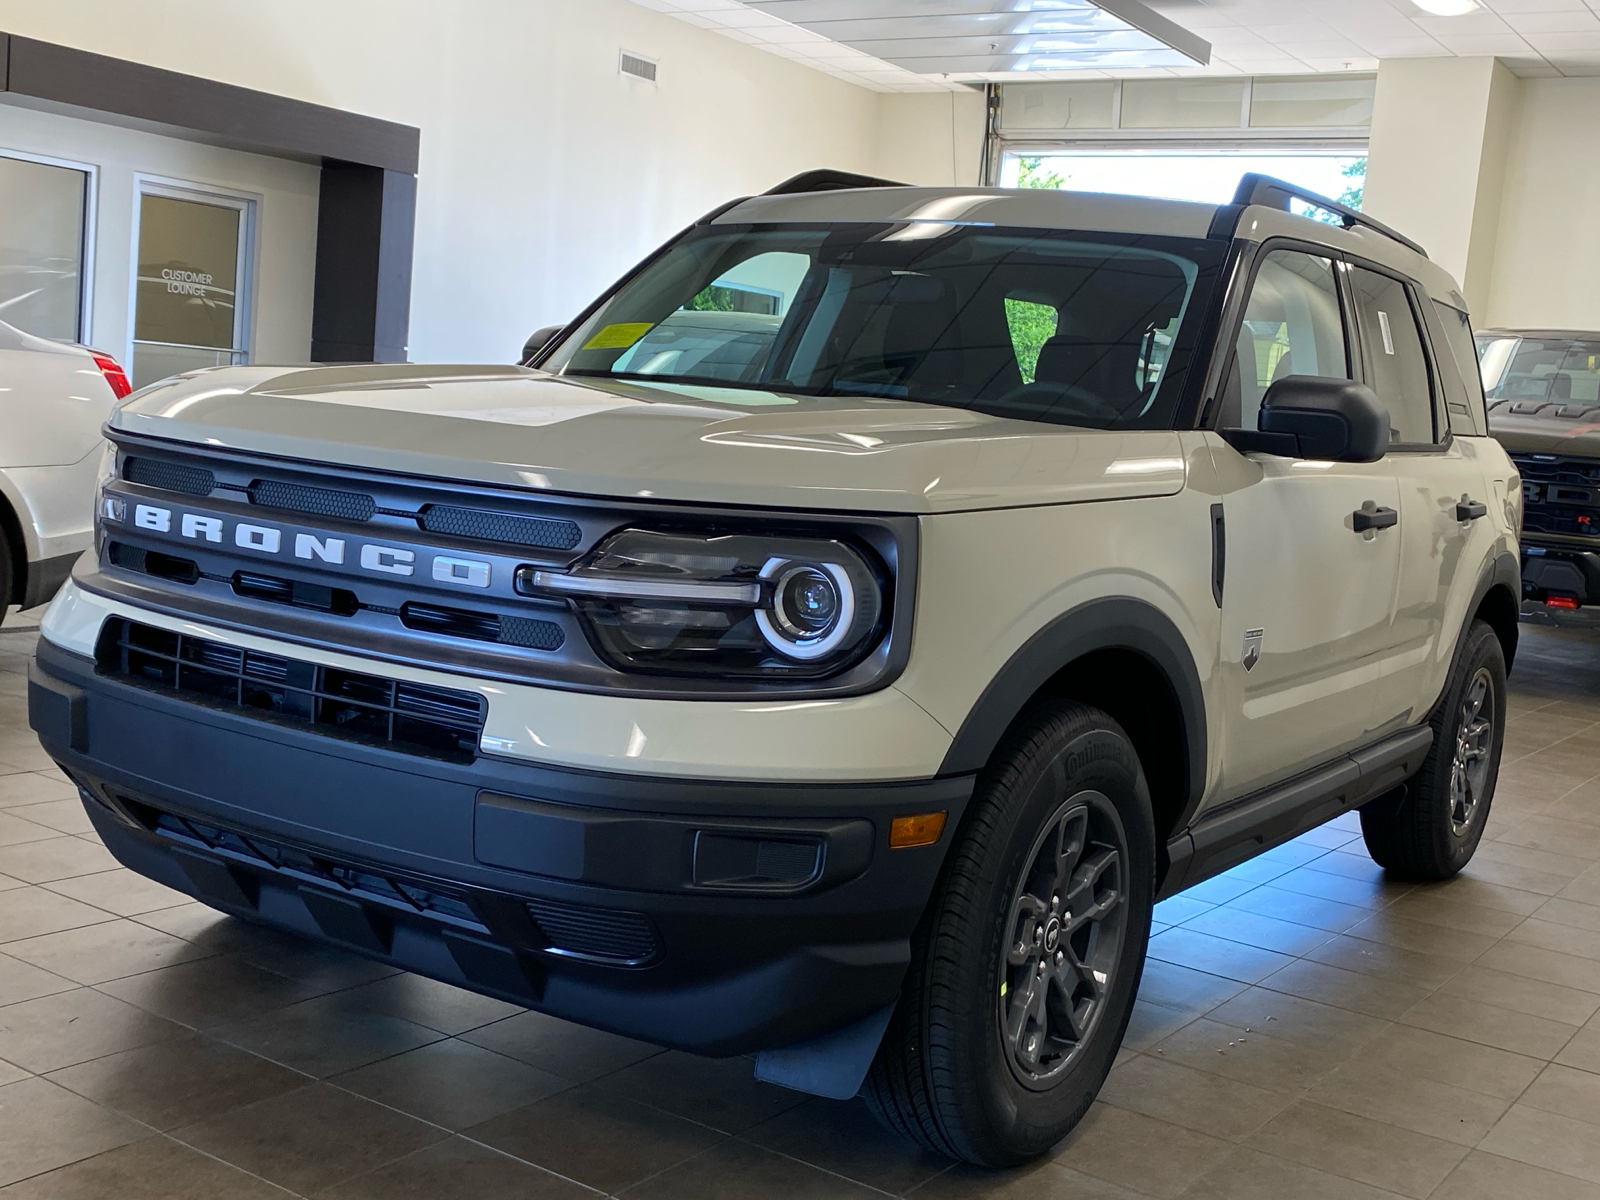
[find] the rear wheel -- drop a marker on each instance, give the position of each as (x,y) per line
(1024,973)
(1434,831)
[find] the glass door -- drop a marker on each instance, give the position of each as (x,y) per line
(191,291)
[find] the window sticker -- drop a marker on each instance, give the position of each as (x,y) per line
(619,337)
(1383,324)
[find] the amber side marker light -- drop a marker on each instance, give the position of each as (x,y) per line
(919,829)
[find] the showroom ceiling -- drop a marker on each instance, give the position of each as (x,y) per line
(873,42)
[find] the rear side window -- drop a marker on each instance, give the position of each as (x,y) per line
(1458,337)
(1292,326)
(1397,365)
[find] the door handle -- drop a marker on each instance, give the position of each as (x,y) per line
(1469,509)
(1371,516)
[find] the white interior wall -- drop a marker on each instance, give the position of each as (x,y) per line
(1547,255)
(930,138)
(286,220)
(544,172)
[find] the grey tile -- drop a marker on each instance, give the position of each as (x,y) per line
(1394,963)
(1183,989)
(156,1168)
(119,891)
(24,981)
(739,1171)
(1207,1103)
(1546,1139)
(1187,947)
(1489,1177)
(55,857)
(1314,911)
(1139,1152)
(1269,933)
(1410,1101)
(457,1170)
(571,1051)
(596,1138)
(72,1027)
(178,1082)
(1038,1180)
(842,1137)
(30,911)
(64,816)
(43,1126)
(209,992)
(452,1083)
(311,1138)
(1368,1151)
(1475,1021)
(110,950)
(14,830)
(1524,995)
(1298,1020)
(1370,994)
(1455,1061)
(1247,1174)
(1566,1090)
(720,1092)
(1250,1056)
(28,787)
(324,1036)
(428,1002)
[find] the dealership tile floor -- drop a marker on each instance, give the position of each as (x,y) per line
(1305,1029)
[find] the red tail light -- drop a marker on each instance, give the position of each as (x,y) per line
(114,374)
(1555,600)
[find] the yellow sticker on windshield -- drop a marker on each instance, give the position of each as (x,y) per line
(619,337)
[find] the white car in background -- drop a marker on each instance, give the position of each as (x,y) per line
(54,399)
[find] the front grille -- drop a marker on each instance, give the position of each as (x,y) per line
(322,502)
(411,717)
(1560,495)
(169,477)
(153,562)
(481,626)
(1552,469)
(540,532)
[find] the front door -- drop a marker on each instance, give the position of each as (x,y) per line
(191,283)
(1308,596)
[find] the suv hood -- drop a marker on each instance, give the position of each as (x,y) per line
(523,428)
(1547,427)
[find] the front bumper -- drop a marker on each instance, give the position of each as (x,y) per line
(1554,569)
(614,901)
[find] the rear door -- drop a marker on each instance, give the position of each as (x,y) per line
(1447,485)
(1307,599)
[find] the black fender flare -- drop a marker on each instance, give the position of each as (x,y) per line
(1112,623)
(1504,571)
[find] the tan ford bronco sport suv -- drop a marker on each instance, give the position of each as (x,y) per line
(834,641)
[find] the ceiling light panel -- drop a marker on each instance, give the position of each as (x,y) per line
(998,37)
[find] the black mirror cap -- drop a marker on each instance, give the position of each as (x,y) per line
(539,341)
(1331,419)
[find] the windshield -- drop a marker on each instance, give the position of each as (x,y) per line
(1558,369)
(1075,328)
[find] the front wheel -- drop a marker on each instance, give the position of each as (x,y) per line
(1434,831)
(1024,973)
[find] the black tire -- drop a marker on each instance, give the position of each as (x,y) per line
(1435,829)
(951,1073)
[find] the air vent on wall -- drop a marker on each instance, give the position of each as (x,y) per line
(637,65)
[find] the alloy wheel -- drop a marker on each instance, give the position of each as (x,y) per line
(1067,926)
(1469,769)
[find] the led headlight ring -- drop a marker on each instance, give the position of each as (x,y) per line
(786,631)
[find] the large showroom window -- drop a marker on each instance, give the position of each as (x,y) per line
(192,283)
(43,231)
(1185,139)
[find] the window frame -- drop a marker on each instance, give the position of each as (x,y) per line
(248,205)
(1228,328)
(1441,425)
(88,231)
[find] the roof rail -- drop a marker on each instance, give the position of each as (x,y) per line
(1277,193)
(827,181)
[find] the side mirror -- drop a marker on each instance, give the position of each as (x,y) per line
(540,339)
(1311,416)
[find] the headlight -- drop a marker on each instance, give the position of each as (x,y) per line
(728,605)
(109,508)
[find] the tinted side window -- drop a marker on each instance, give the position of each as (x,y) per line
(1292,326)
(1458,336)
(1397,366)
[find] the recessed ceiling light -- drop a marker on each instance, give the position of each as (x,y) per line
(1446,8)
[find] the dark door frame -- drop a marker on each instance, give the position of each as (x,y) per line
(366,213)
